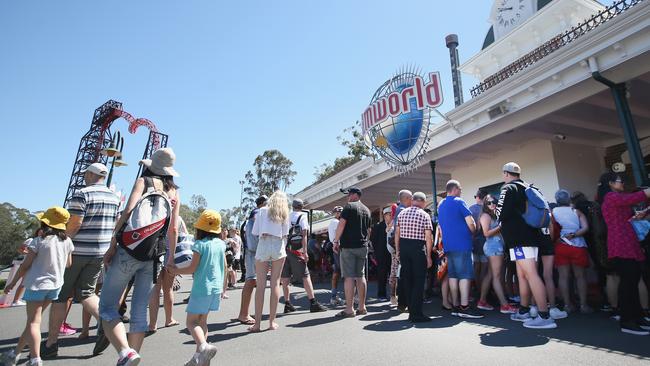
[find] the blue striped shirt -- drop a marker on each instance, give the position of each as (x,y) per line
(98,207)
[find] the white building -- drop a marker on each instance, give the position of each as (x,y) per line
(538,104)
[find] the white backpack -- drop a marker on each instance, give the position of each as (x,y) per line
(143,233)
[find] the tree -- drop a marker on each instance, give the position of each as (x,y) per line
(353,140)
(16,225)
(198,203)
(271,172)
(189,215)
(232,218)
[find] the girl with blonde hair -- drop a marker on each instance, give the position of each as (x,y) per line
(272,227)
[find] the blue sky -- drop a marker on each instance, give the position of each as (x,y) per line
(226,81)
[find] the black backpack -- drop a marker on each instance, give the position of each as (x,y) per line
(294,240)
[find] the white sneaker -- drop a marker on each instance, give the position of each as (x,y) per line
(35,362)
(520,317)
(18,303)
(207,354)
(541,323)
(533,311)
(557,313)
(393,300)
(192,362)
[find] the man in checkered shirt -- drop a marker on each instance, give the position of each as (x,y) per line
(413,241)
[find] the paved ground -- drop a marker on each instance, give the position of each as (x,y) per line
(380,338)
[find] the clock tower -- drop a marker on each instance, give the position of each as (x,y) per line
(508,14)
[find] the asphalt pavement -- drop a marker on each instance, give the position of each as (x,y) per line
(382,337)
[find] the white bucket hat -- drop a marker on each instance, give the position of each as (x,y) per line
(161,162)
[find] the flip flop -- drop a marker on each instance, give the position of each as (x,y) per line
(343,314)
(362,312)
(173,324)
(246,322)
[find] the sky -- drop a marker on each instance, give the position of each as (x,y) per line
(226,80)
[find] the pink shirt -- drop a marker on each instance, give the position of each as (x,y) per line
(622,241)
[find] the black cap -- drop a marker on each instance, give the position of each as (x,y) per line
(480,194)
(261,199)
(355,190)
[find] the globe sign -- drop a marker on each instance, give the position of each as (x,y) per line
(396,123)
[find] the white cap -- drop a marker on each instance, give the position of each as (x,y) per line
(512,167)
(419,196)
(388,210)
(97,169)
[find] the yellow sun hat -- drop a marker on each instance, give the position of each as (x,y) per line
(55,217)
(209,221)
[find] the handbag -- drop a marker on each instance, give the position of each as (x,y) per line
(641,228)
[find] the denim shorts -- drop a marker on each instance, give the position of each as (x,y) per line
(41,295)
(118,274)
(249,261)
(459,265)
(270,248)
(493,248)
(203,304)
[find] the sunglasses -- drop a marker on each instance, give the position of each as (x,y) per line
(491,202)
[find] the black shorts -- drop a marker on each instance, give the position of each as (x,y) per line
(546,247)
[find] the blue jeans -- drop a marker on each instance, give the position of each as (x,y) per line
(118,275)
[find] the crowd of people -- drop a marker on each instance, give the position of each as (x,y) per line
(517,250)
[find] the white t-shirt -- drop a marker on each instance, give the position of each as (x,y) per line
(304,221)
(237,247)
(46,272)
(331,230)
(264,225)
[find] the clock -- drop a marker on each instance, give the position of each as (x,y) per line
(508,14)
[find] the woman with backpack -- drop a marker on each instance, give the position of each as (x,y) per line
(156,191)
(272,227)
(623,248)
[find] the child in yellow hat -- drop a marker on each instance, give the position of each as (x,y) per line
(209,269)
(47,257)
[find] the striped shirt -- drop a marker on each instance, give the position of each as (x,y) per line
(413,223)
(98,207)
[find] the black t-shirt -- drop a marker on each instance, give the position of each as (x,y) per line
(378,238)
(514,229)
(357,222)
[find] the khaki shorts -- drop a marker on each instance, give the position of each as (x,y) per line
(81,277)
(353,262)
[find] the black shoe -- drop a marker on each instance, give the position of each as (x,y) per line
(101,343)
(316,307)
(402,309)
(125,319)
(420,319)
(633,328)
(186,300)
(49,352)
(241,280)
(288,308)
(468,313)
(644,324)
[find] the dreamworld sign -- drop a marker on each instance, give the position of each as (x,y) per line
(396,123)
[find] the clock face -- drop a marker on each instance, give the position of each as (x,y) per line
(511,12)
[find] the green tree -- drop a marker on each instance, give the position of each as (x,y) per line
(198,203)
(189,215)
(271,171)
(16,225)
(232,218)
(352,139)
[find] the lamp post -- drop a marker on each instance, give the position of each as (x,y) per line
(114,151)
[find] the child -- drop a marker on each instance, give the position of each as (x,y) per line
(47,257)
(209,269)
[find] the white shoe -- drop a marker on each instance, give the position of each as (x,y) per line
(518,317)
(192,362)
(19,303)
(541,323)
(393,300)
(533,311)
(557,313)
(207,354)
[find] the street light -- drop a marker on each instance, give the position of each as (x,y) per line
(114,151)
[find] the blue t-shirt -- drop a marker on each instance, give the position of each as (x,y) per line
(456,236)
(208,277)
